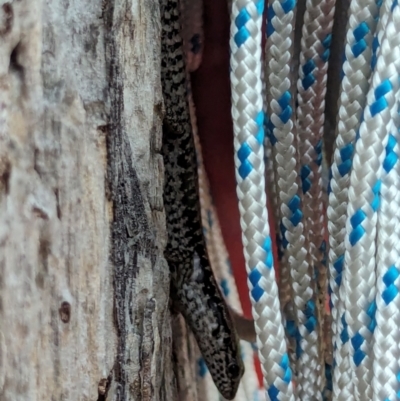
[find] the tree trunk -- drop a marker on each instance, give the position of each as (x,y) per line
(83,284)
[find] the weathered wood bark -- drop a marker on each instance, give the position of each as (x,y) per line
(83,284)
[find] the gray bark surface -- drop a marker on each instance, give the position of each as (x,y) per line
(83,284)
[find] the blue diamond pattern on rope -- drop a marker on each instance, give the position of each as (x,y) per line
(294,206)
(286,368)
(346,154)
(242,19)
(243,33)
(273,391)
(310,314)
(245,150)
(284,102)
(381,103)
(270,16)
(309,78)
(359,216)
(326,43)
(359,34)
(390,293)
(255,276)
(305,181)
(358,339)
(391,156)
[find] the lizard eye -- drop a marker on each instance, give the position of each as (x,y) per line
(234,370)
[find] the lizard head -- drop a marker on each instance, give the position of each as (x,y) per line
(227,374)
(200,301)
(220,347)
(215,330)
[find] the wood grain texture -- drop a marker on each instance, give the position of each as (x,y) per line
(83,284)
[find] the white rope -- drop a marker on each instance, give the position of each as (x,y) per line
(248,120)
(311,87)
(386,352)
(365,249)
(365,181)
(271,177)
(279,53)
(354,87)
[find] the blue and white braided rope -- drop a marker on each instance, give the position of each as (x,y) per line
(371,363)
(386,352)
(354,87)
(311,90)
(248,120)
(279,52)
(280,132)
(364,199)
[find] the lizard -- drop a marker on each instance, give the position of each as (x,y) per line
(194,290)
(193,41)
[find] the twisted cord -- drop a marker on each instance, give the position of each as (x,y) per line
(279,53)
(248,120)
(311,91)
(354,87)
(364,199)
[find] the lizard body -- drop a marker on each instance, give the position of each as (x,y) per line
(193,286)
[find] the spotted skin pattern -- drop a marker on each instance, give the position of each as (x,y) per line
(194,289)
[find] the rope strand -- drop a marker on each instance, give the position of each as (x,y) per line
(364,198)
(248,120)
(311,87)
